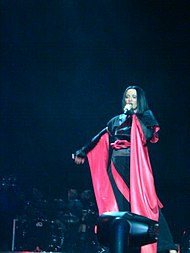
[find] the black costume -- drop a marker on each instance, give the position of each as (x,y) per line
(121,148)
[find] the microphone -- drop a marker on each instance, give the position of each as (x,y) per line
(126,109)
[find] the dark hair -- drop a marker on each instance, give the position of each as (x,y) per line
(142,104)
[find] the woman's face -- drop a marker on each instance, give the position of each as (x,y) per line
(131,98)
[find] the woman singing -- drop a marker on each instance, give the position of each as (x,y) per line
(120,166)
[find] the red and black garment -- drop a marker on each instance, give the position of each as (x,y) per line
(124,178)
(120,167)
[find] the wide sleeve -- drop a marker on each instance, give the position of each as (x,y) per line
(89,146)
(149,126)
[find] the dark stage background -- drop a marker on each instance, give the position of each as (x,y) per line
(64,67)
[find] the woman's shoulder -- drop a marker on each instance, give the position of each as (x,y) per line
(147,113)
(148,118)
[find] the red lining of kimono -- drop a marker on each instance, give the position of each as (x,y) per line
(98,162)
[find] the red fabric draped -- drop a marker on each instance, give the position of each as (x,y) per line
(144,200)
(98,162)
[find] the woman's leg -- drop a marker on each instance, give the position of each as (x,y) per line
(121,164)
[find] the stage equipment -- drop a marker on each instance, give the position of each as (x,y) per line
(125,232)
(38,234)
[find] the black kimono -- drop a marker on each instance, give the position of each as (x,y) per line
(121,171)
